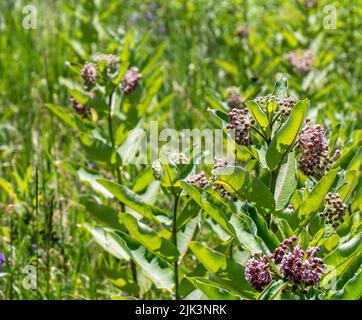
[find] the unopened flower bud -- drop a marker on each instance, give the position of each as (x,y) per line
(89,75)
(131,80)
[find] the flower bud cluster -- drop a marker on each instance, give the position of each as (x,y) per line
(286,105)
(219,163)
(243,30)
(199,180)
(302,61)
(314,160)
(131,80)
(80,108)
(296,265)
(111,62)
(234,100)
(240,122)
(89,74)
(257,272)
(334,209)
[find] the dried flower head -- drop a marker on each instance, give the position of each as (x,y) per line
(334,209)
(89,75)
(234,100)
(302,61)
(240,122)
(80,108)
(314,160)
(243,30)
(257,272)
(131,80)
(199,180)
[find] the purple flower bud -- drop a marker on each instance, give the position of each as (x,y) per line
(131,80)
(302,61)
(89,75)
(2,258)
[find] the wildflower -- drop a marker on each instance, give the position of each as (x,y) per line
(299,267)
(334,209)
(219,163)
(234,100)
(2,258)
(79,108)
(286,105)
(243,30)
(131,80)
(240,122)
(257,272)
(111,62)
(311,3)
(314,160)
(302,61)
(89,75)
(199,180)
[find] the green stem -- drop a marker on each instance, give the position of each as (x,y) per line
(174,237)
(273,183)
(119,176)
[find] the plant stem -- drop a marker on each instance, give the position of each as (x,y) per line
(119,176)
(174,237)
(273,183)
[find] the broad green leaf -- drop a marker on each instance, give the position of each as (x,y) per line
(347,156)
(100,151)
(237,225)
(149,238)
(351,181)
(259,116)
(212,289)
(273,291)
(246,187)
(352,290)
(263,231)
(228,272)
(106,241)
(185,235)
(134,201)
(191,210)
(340,258)
(334,137)
(90,178)
(316,197)
(102,213)
(285,137)
(153,267)
(281,88)
(286,182)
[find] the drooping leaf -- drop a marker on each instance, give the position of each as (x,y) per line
(228,272)
(212,289)
(134,201)
(149,238)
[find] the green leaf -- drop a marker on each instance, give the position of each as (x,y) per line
(281,88)
(273,291)
(246,187)
(191,210)
(263,232)
(340,258)
(211,205)
(285,137)
(90,178)
(259,116)
(347,156)
(185,235)
(99,151)
(228,272)
(316,197)
(212,289)
(149,238)
(153,267)
(102,213)
(352,290)
(286,182)
(102,237)
(134,201)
